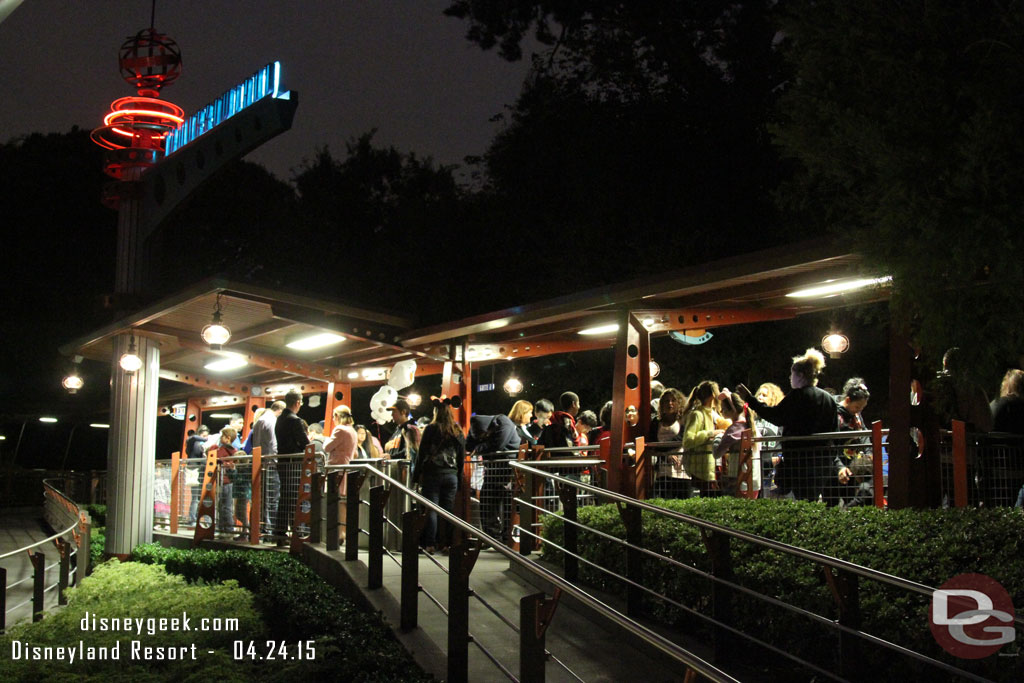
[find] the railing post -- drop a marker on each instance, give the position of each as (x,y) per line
(535,614)
(256,503)
(65,568)
(412,525)
(570,532)
(845,591)
(303,503)
(527,514)
(333,509)
(462,557)
(175,492)
(355,485)
(316,521)
(38,584)
(959,464)
(3,599)
(877,475)
(632,519)
(84,547)
(375,563)
(721,598)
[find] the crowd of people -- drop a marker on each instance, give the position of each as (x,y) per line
(695,438)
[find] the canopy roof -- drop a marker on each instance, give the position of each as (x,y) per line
(747,288)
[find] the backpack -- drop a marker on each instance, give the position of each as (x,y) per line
(443,455)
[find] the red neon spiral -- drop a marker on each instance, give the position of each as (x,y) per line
(138,122)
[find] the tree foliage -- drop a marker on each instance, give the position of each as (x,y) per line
(906,120)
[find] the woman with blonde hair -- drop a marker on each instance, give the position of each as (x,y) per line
(699,435)
(520,415)
(806,468)
(668,427)
(339,449)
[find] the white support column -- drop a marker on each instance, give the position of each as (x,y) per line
(132,447)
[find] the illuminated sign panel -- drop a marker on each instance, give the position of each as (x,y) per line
(264,83)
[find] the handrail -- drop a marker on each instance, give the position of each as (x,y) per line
(48,539)
(647,635)
(802,553)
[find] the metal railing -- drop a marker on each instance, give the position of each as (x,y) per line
(536,610)
(841,576)
(980,469)
(71,539)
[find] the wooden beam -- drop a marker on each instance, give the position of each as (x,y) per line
(664,320)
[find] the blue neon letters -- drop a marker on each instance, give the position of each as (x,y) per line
(263,83)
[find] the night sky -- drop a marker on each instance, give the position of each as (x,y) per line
(400,67)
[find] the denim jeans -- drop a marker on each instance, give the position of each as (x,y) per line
(272,490)
(439,486)
(225,508)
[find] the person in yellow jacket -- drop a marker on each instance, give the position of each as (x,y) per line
(699,433)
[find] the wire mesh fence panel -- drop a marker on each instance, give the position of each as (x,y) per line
(281,491)
(162,494)
(836,471)
(986,471)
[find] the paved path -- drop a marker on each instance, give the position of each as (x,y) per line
(20,527)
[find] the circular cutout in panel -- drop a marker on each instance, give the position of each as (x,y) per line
(632,351)
(206,521)
(338,395)
(632,381)
(208,503)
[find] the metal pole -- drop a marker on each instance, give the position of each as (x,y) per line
(570,532)
(3,599)
(375,561)
(535,614)
(721,599)
(355,485)
(65,568)
(412,525)
(38,584)
(527,515)
(333,510)
(462,557)
(316,520)
(84,548)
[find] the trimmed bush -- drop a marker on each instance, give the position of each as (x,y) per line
(299,605)
(927,546)
(118,590)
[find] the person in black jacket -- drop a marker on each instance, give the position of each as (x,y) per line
(291,438)
(438,464)
(195,452)
(806,468)
(490,435)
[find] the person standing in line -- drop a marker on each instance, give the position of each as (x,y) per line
(291,440)
(226,469)
(405,440)
(699,434)
(542,411)
(339,449)
(667,427)
(438,462)
(195,451)
(263,436)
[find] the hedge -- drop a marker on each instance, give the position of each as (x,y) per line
(298,605)
(927,546)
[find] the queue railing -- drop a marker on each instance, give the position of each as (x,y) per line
(980,469)
(842,578)
(71,539)
(536,610)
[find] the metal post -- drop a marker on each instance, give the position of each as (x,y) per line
(316,521)
(355,484)
(333,510)
(631,518)
(959,464)
(462,557)
(845,591)
(527,515)
(38,584)
(3,599)
(412,526)
(175,491)
(256,504)
(65,568)
(721,598)
(375,561)
(570,532)
(84,547)
(878,477)
(535,614)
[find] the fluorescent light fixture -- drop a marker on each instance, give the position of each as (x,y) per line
(220,416)
(99,425)
(353,375)
(3,438)
(830,287)
(226,363)
(47,419)
(315,341)
(600,329)
(374,373)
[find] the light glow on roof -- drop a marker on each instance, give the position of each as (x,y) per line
(226,363)
(600,329)
(832,287)
(315,341)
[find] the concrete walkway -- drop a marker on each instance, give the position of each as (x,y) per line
(20,527)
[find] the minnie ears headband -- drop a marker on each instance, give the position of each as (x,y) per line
(442,400)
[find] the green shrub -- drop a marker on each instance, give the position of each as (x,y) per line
(299,605)
(97,545)
(927,546)
(117,590)
(97,513)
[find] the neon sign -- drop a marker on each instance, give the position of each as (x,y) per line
(264,83)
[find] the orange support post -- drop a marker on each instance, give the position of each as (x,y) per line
(631,385)
(304,502)
(175,489)
(878,477)
(207,500)
(252,404)
(193,418)
(959,464)
(642,471)
(746,468)
(338,393)
(256,504)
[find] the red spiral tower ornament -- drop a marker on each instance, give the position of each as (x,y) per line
(134,130)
